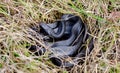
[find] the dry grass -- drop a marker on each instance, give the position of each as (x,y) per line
(17,16)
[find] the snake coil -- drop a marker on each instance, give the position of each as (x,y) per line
(71,35)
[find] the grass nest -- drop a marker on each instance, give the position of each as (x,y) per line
(18,16)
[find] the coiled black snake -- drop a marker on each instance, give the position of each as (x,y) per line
(74,34)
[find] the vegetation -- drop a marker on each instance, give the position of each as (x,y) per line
(17,16)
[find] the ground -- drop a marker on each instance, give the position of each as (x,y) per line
(17,16)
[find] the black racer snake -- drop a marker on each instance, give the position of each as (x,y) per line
(70,34)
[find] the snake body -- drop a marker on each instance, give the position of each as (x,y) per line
(72,33)
(50,31)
